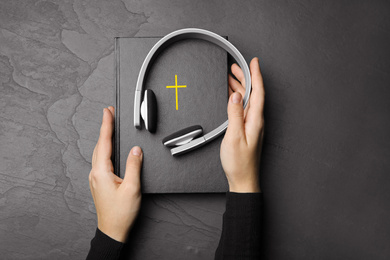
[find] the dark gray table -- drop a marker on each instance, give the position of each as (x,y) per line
(325,167)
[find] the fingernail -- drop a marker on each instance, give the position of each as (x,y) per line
(136,151)
(236,98)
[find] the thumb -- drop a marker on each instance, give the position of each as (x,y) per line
(235,115)
(133,167)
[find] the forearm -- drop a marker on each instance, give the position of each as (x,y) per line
(240,238)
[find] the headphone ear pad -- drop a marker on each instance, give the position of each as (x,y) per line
(183,136)
(149,111)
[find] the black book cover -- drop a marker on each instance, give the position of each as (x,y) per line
(200,68)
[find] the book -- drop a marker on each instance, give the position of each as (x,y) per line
(201,69)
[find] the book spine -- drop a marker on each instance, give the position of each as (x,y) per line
(116,136)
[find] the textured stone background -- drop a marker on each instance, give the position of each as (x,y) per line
(325,171)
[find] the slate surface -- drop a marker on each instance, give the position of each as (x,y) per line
(202,67)
(325,165)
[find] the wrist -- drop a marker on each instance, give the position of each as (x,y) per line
(250,187)
(245,181)
(117,234)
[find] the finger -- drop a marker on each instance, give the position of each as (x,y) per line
(133,168)
(235,116)
(236,86)
(247,106)
(254,122)
(230,91)
(104,146)
(258,93)
(237,72)
(112,110)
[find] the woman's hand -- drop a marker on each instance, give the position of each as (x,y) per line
(117,201)
(241,146)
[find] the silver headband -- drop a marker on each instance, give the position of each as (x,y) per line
(190,33)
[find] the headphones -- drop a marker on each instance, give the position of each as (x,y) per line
(183,141)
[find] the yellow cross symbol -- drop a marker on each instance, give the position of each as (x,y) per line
(176,87)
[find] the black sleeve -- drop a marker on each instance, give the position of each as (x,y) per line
(104,247)
(240,238)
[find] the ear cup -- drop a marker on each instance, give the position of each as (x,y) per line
(149,111)
(183,136)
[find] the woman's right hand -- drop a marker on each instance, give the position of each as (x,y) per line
(241,146)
